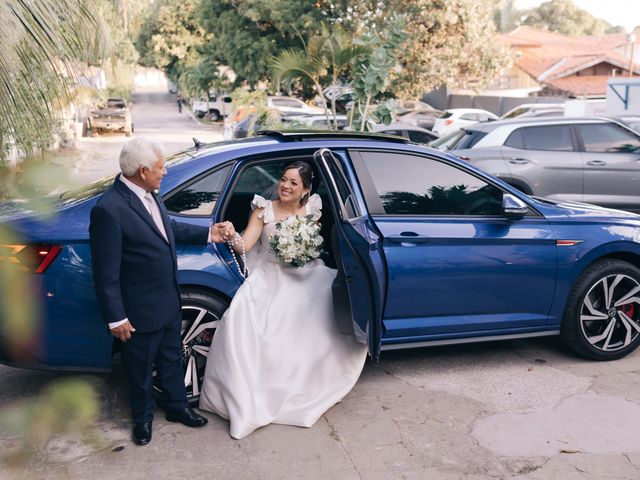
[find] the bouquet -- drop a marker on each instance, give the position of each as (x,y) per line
(296,240)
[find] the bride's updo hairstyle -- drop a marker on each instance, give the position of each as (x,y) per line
(306,174)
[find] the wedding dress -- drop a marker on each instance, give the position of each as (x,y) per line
(277,356)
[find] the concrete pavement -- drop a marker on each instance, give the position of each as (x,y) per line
(516,410)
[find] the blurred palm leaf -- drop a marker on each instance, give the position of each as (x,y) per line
(42,44)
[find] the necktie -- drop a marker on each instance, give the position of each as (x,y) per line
(154,210)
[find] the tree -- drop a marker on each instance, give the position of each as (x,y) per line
(506,16)
(563,16)
(371,72)
(327,55)
(170,36)
(42,44)
(451,43)
(246,33)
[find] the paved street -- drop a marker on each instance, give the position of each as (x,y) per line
(507,410)
(155,115)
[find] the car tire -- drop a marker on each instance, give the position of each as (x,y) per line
(201,313)
(602,316)
(215,116)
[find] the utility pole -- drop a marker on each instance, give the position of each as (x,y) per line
(631,39)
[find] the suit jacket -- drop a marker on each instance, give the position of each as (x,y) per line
(135,271)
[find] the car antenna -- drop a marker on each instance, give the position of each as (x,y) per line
(197,142)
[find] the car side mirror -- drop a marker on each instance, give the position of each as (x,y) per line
(513,207)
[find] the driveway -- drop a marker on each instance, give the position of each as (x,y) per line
(155,115)
(517,410)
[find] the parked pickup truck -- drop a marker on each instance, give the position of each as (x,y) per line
(218,108)
(114,115)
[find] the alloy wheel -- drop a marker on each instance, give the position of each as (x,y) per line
(198,327)
(610,313)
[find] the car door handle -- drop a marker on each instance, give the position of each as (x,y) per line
(597,163)
(518,161)
(408,238)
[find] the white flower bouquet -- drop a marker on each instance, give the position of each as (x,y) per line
(296,240)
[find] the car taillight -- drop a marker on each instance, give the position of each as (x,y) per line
(34,258)
(448,121)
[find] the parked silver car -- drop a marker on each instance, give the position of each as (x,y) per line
(588,159)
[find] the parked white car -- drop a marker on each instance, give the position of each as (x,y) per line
(530,110)
(292,106)
(455,118)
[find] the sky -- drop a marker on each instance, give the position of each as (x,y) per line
(616,12)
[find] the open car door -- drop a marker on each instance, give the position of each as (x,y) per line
(359,290)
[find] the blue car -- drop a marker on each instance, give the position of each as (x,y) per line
(429,251)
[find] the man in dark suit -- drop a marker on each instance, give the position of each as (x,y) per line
(135,275)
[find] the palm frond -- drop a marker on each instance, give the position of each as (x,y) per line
(40,44)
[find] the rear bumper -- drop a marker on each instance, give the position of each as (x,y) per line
(109,124)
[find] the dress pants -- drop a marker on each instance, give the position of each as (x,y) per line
(164,349)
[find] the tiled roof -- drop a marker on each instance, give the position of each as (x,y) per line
(585,85)
(550,57)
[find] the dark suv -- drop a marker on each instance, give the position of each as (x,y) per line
(588,159)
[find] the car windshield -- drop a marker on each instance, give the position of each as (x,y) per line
(447,142)
(115,104)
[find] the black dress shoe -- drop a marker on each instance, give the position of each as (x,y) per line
(142,433)
(187,417)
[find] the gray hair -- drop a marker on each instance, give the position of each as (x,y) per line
(139,152)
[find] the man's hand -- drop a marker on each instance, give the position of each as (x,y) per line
(222,232)
(123,332)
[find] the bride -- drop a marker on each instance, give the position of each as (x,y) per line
(277,356)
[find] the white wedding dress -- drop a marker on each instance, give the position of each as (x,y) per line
(277,356)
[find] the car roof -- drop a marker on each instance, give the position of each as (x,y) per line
(467,110)
(401,126)
(531,121)
(183,166)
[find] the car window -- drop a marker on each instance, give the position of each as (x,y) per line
(606,137)
(199,198)
(420,137)
(115,104)
(446,115)
(552,137)
(468,140)
(412,185)
(516,113)
(448,141)
(392,132)
(469,116)
(260,178)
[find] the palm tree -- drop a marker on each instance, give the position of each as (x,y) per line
(310,63)
(341,52)
(328,52)
(41,44)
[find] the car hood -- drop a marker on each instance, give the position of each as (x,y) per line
(583,211)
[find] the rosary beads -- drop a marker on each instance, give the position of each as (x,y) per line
(237,239)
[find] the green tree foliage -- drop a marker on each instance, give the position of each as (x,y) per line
(563,16)
(451,42)
(170,34)
(245,34)
(371,72)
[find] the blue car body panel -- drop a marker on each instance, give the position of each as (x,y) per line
(469,277)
